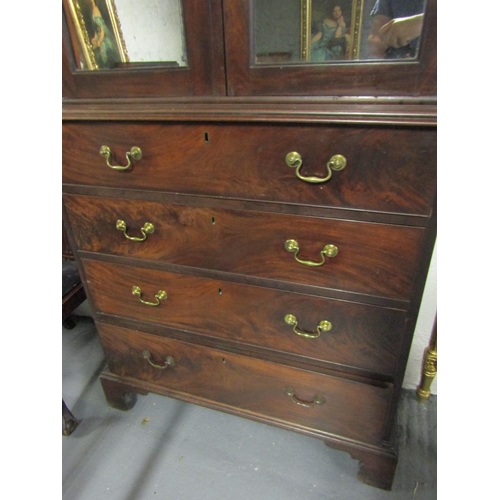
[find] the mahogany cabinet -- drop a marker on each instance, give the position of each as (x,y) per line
(254,227)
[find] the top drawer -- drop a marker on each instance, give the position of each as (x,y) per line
(387,169)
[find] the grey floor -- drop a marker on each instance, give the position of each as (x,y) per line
(167,449)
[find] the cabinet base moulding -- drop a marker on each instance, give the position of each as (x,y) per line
(377,464)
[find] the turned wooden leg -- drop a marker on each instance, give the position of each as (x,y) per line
(118,396)
(376,467)
(429,367)
(69,422)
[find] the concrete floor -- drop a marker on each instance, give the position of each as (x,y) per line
(168,449)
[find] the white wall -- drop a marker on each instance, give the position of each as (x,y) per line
(153,30)
(423,330)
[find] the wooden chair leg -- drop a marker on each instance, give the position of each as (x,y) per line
(429,367)
(69,422)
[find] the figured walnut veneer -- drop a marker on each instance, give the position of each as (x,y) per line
(214,184)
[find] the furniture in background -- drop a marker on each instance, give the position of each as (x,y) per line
(73,294)
(255,237)
(429,366)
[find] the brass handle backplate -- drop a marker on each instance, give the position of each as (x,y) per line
(135,153)
(335,163)
(323,326)
(328,251)
(317,399)
(168,362)
(161,295)
(148,228)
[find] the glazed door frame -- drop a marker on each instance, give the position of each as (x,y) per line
(204,75)
(414,78)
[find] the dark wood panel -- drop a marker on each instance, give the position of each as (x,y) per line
(67,252)
(361,336)
(248,162)
(255,206)
(350,409)
(375,259)
(285,286)
(405,111)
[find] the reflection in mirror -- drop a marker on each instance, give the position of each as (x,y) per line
(116,33)
(333,31)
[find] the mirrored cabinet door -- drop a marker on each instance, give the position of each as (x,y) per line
(331,47)
(152,48)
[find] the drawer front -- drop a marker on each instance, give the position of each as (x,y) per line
(351,409)
(376,259)
(360,336)
(388,170)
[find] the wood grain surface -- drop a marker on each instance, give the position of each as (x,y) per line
(248,162)
(375,259)
(351,409)
(362,336)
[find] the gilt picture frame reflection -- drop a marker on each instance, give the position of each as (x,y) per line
(330,30)
(96,34)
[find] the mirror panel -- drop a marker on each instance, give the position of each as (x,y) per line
(333,32)
(110,34)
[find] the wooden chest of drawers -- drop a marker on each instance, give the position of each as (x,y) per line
(220,274)
(254,231)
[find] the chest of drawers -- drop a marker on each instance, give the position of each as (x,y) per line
(199,293)
(252,240)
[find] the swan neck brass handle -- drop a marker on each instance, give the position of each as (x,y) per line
(135,153)
(148,228)
(323,326)
(161,295)
(317,399)
(335,163)
(168,362)
(328,251)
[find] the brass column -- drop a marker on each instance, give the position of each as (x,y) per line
(429,366)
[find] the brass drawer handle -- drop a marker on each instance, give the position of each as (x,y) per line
(317,399)
(135,153)
(336,162)
(161,295)
(323,326)
(168,362)
(328,251)
(148,228)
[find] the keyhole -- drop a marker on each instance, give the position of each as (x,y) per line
(207,139)
(224,360)
(212,220)
(220,291)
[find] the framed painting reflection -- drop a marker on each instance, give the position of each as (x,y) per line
(330,30)
(96,33)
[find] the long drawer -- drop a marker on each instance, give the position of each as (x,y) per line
(368,258)
(361,336)
(278,393)
(387,169)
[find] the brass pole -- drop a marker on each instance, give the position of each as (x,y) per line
(429,366)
